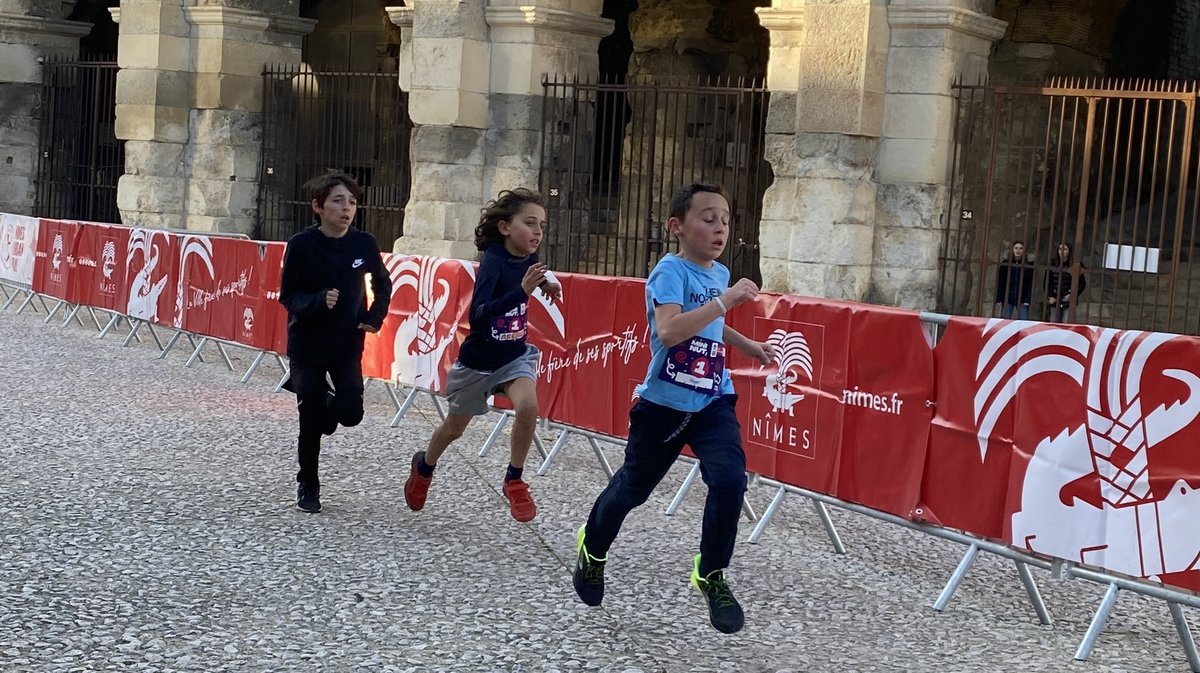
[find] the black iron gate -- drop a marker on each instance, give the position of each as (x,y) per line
(1107,167)
(613,153)
(80,158)
(353,121)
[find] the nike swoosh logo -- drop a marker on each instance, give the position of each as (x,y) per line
(357,263)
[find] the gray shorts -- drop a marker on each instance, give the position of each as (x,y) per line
(467,389)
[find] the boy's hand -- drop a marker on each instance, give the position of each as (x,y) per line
(764,352)
(742,291)
(551,289)
(331,297)
(533,277)
(369,329)
(1050,300)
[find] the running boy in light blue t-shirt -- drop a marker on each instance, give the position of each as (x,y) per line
(686,399)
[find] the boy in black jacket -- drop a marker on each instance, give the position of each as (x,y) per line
(324,289)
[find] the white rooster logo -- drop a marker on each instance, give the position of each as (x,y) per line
(419,351)
(56,261)
(110,258)
(1086,494)
(795,359)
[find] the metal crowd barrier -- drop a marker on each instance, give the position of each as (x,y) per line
(1175,599)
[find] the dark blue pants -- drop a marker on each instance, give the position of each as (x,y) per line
(320,414)
(657,434)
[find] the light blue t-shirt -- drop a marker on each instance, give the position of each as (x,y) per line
(691,374)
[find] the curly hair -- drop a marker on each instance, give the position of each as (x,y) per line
(502,209)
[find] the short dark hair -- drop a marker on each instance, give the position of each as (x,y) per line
(682,201)
(318,188)
(502,209)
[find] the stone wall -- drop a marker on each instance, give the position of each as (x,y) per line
(30,31)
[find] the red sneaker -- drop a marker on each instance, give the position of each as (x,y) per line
(520,503)
(416,488)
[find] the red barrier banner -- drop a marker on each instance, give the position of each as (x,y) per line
(426,321)
(18,241)
(1070,441)
(151,276)
(51,266)
(104,247)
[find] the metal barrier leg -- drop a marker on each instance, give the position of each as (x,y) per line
(196,353)
(11,298)
(408,402)
(830,530)
(391,391)
(112,322)
(487,446)
(170,344)
(540,446)
(197,346)
(134,326)
(756,534)
(1035,595)
(92,312)
(1185,635)
(1093,632)
(437,404)
(683,489)
(283,379)
(748,509)
(959,573)
(224,356)
(71,315)
(254,366)
(52,311)
(158,342)
(27,302)
(554,450)
(601,457)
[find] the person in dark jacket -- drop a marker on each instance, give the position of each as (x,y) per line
(1014,283)
(1059,291)
(495,358)
(325,269)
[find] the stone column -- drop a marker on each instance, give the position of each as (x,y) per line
(232,46)
(189,108)
(473,73)
(29,33)
(826,75)
(930,47)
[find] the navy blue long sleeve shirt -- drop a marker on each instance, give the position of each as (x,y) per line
(498,311)
(315,263)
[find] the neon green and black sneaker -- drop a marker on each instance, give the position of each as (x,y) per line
(589,574)
(723,609)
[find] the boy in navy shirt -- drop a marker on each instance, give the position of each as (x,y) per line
(686,398)
(494,358)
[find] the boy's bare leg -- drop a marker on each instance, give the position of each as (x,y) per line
(451,429)
(523,395)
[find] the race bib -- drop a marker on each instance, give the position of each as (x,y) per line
(697,364)
(510,327)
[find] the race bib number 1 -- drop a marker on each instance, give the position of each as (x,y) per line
(697,364)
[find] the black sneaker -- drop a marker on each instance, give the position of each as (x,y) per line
(308,496)
(723,609)
(589,574)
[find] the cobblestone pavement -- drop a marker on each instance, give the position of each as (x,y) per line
(148,524)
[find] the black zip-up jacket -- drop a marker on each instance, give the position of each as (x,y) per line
(315,263)
(1058,284)
(498,311)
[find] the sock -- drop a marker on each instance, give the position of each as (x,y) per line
(513,473)
(423,468)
